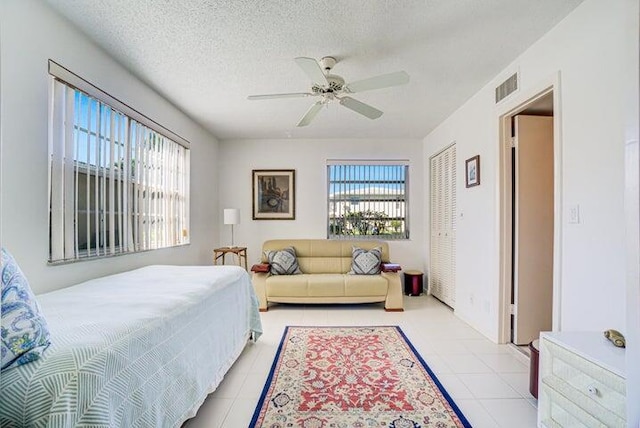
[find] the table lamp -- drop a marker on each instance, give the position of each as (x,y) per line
(232,216)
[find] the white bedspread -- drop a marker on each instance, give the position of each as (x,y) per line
(137,349)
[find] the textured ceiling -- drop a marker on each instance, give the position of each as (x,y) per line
(207,56)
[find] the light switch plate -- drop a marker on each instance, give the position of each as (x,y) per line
(574,214)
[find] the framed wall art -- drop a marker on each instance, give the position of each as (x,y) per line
(472,171)
(274,196)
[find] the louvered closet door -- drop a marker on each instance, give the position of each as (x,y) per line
(443,222)
(434,274)
(452,231)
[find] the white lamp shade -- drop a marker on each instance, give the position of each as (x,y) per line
(231,216)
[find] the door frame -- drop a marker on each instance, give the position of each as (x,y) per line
(504,113)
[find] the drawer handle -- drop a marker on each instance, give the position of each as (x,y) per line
(593,390)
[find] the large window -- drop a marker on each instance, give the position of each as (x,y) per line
(368,199)
(117,185)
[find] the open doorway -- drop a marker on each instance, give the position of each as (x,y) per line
(529,218)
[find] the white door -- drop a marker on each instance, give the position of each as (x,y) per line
(533,227)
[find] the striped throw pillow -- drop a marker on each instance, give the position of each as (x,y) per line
(366,262)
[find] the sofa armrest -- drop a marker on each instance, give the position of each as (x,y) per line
(390,267)
(260,268)
(394,301)
(259,281)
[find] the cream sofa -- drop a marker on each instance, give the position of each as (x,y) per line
(325,264)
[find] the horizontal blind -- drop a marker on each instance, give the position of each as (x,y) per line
(116,185)
(367,199)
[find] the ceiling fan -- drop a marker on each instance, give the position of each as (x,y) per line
(330,87)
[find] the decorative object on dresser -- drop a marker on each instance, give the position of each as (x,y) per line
(616,338)
(232,217)
(274,196)
(582,381)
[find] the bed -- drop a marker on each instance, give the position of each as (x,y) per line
(137,349)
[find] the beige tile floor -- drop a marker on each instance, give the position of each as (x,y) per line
(489,382)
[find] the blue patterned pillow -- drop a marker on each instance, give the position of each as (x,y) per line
(283,262)
(23,329)
(366,262)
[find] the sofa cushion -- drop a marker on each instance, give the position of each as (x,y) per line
(283,262)
(305,285)
(326,285)
(366,262)
(287,286)
(365,285)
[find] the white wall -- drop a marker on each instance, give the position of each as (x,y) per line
(595,49)
(632,211)
(30,34)
(308,158)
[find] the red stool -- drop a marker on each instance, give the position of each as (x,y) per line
(413,282)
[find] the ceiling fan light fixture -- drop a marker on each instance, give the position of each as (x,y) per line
(331,87)
(327,63)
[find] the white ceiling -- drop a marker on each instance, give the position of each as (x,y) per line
(207,56)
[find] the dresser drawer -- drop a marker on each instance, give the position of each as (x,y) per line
(556,411)
(559,407)
(578,392)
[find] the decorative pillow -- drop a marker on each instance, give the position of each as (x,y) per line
(366,262)
(23,330)
(283,262)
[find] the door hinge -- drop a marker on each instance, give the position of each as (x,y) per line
(513,142)
(512,309)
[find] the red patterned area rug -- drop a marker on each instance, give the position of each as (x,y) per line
(352,377)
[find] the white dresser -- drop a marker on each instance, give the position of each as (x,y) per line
(581,381)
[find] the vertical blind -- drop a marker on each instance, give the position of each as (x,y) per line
(116,185)
(368,199)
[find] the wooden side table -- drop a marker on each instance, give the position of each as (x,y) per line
(240,252)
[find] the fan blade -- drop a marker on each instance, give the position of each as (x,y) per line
(312,69)
(360,107)
(274,96)
(378,82)
(310,114)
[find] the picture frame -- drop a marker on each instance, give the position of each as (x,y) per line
(472,171)
(274,196)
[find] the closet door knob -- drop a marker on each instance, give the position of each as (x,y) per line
(593,390)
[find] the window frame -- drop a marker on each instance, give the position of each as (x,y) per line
(404,235)
(139,141)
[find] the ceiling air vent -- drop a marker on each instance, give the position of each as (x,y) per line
(507,87)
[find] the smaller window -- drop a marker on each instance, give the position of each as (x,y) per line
(367,199)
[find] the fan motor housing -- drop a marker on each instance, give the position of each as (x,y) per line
(336,83)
